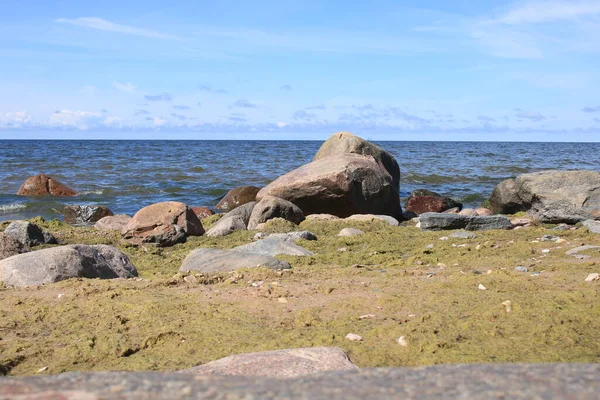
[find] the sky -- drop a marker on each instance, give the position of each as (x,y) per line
(481,70)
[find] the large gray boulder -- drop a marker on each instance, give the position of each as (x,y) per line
(272,246)
(443,221)
(550,196)
(340,185)
(59,263)
(438,382)
(29,234)
(163,224)
(346,142)
(270,207)
(288,363)
(11,247)
(234,220)
(216,260)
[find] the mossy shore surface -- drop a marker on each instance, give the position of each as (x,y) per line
(165,321)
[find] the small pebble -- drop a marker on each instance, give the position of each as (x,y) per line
(443,238)
(402,341)
(441,265)
(282,300)
(481,287)
(536,273)
(489,272)
(507,305)
(550,238)
(592,277)
(520,268)
(546,251)
(369,316)
(42,369)
(429,246)
(353,337)
(478,247)
(60,295)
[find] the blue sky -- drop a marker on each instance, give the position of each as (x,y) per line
(386,70)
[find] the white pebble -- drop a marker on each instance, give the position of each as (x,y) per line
(370,316)
(444,238)
(60,295)
(402,341)
(481,287)
(507,305)
(546,251)
(42,369)
(353,337)
(478,247)
(592,277)
(282,300)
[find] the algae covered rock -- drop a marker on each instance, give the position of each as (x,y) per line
(59,263)
(270,207)
(215,260)
(272,246)
(44,185)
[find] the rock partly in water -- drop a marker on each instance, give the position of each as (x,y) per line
(232,221)
(202,212)
(215,260)
(29,234)
(59,263)
(288,363)
(592,225)
(550,196)
(346,142)
(163,224)
(270,207)
(112,223)
(341,185)
(11,247)
(441,221)
(44,185)
(349,232)
(85,214)
(422,201)
(237,197)
(272,247)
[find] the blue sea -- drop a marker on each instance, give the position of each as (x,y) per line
(129,175)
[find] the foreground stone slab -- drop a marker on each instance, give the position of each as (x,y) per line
(442,221)
(288,363)
(59,263)
(479,382)
(215,260)
(273,246)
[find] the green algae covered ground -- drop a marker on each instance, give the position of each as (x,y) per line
(392,275)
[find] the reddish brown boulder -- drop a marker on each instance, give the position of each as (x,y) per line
(163,224)
(340,185)
(43,185)
(202,212)
(423,204)
(237,197)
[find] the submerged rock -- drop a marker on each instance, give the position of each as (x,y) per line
(59,263)
(44,185)
(29,234)
(215,260)
(85,214)
(442,221)
(422,201)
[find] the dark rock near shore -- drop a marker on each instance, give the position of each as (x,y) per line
(442,221)
(550,196)
(346,142)
(29,234)
(112,223)
(270,207)
(163,224)
(341,185)
(422,200)
(85,214)
(237,197)
(202,212)
(59,263)
(44,185)
(468,381)
(215,260)
(11,247)
(232,221)
(288,363)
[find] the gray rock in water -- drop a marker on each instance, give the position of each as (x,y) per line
(443,221)
(234,220)
(64,262)
(215,260)
(467,381)
(349,232)
(112,223)
(11,247)
(29,234)
(592,225)
(293,236)
(85,214)
(462,235)
(270,207)
(272,247)
(288,363)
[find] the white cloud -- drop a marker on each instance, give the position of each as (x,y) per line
(533,12)
(158,122)
(107,26)
(114,122)
(282,124)
(16,119)
(74,119)
(124,87)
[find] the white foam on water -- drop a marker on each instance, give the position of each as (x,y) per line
(12,207)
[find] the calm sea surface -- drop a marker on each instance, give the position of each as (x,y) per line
(129,175)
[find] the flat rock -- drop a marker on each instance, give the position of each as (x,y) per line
(372,217)
(462,235)
(322,217)
(349,232)
(575,251)
(270,207)
(112,223)
(293,236)
(163,224)
(234,220)
(288,363)
(11,247)
(592,225)
(44,185)
(469,381)
(273,246)
(29,233)
(442,221)
(216,260)
(85,214)
(237,197)
(59,263)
